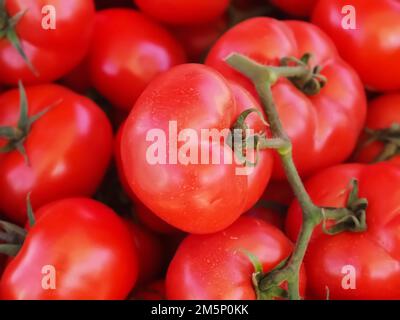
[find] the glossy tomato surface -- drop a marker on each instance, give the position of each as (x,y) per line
(216,266)
(83,248)
(68,148)
(123,61)
(324,127)
(372,47)
(362,265)
(52,52)
(186,191)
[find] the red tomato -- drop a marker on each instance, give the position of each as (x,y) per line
(197,39)
(69,149)
(185,12)
(189,196)
(383,113)
(216,267)
(371,256)
(149,252)
(87,246)
(323,128)
(373,48)
(298,8)
(54,52)
(123,61)
(153,291)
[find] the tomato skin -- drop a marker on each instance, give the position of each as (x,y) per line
(319,125)
(367,49)
(186,12)
(383,112)
(189,197)
(98,262)
(123,61)
(61,147)
(374,254)
(302,8)
(212,267)
(52,52)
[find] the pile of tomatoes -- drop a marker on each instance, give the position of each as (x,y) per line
(86,215)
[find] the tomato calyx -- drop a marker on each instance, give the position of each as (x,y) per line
(390,137)
(273,292)
(352,218)
(241,137)
(16,135)
(309,83)
(13,236)
(7,30)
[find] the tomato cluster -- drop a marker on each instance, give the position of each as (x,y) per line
(156,149)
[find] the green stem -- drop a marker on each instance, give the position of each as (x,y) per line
(263,78)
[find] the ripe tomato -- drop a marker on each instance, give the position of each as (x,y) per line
(298,8)
(54,52)
(383,114)
(197,39)
(373,47)
(372,257)
(153,291)
(323,128)
(149,252)
(185,12)
(123,61)
(188,195)
(87,246)
(215,266)
(68,148)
